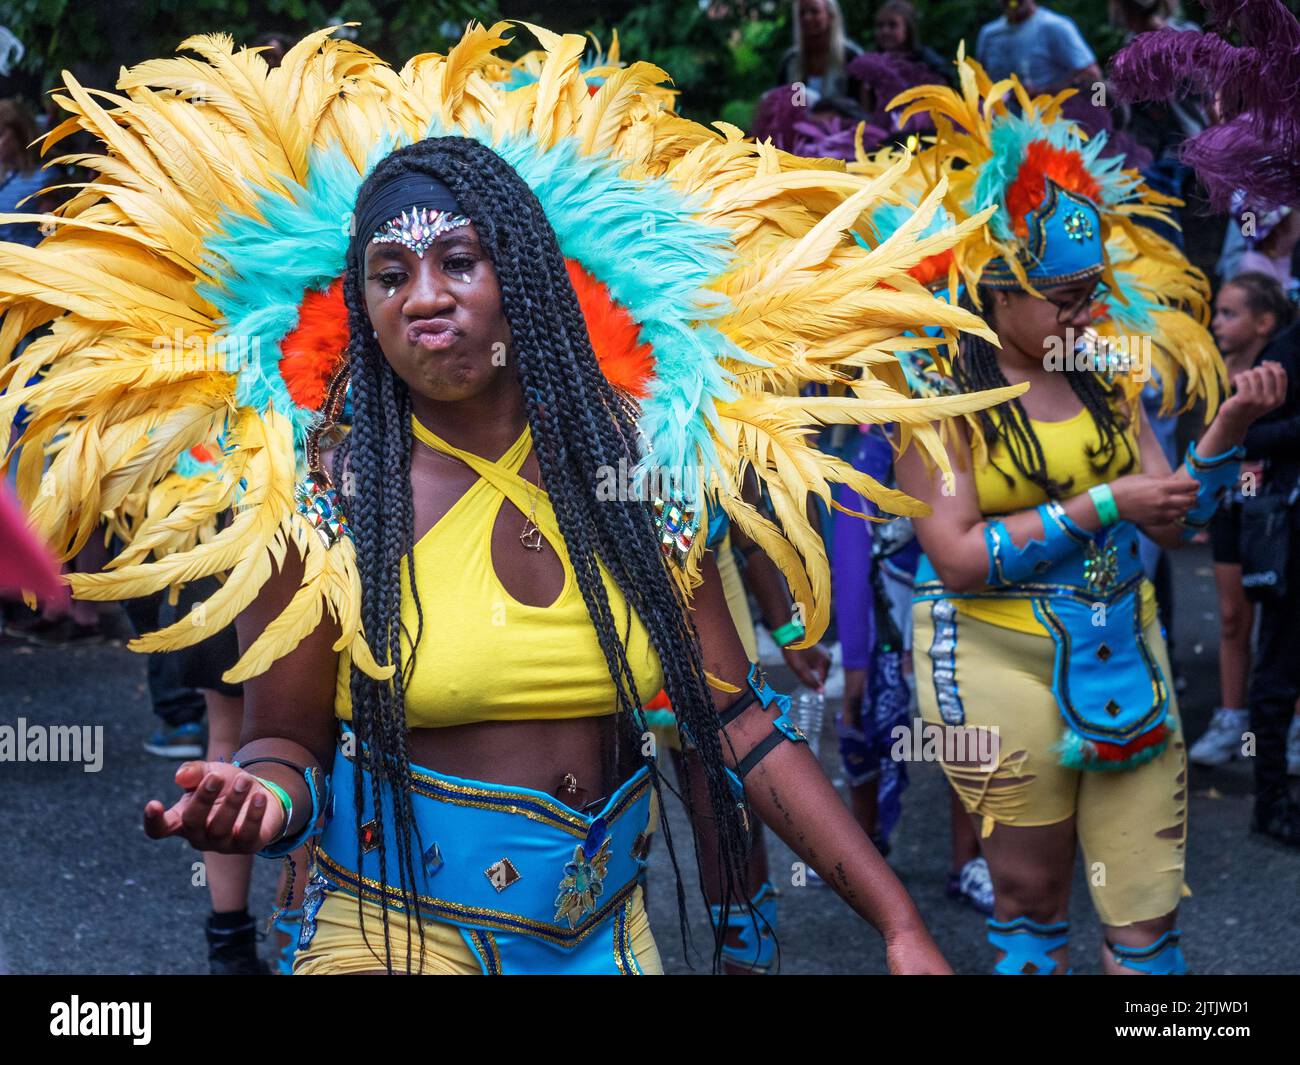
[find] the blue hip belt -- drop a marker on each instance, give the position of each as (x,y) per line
(533,886)
(1108,686)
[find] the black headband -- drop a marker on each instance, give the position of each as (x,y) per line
(390,199)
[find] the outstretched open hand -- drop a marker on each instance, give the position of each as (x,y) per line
(223,809)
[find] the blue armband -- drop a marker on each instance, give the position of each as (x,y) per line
(1010,565)
(1214,477)
(782,727)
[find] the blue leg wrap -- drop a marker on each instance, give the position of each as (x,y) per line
(1028,945)
(290,924)
(1163,958)
(756,949)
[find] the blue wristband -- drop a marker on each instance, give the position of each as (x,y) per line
(1214,477)
(286,844)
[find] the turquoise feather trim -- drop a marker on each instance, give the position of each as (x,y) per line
(1009,139)
(1135,315)
(519,77)
(1075,754)
(663,719)
(188,466)
(886,219)
(263,264)
(657,263)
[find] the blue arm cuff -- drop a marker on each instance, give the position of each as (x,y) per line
(1214,476)
(1010,565)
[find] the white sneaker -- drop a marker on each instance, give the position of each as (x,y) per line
(1293,748)
(1221,742)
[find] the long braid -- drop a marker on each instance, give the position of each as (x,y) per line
(580,426)
(976,368)
(375,463)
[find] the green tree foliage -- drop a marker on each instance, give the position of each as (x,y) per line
(722,54)
(94,39)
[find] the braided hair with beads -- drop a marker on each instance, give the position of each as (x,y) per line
(579,424)
(976,368)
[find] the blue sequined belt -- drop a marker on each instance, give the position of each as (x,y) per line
(533,885)
(1108,685)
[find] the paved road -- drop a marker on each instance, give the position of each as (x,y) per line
(86,892)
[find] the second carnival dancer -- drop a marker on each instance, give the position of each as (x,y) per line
(1034,624)
(450,624)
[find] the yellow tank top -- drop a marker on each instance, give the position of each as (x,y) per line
(1065,445)
(484,656)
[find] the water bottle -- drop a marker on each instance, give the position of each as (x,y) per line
(809,713)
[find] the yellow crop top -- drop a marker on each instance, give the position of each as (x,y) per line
(484,656)
(1065,445)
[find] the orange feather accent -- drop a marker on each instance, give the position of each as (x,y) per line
(625,360)
(311,353)
(660,701)
(203,453)
(1043,160)
(932,268)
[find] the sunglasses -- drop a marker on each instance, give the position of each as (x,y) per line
(1068,310)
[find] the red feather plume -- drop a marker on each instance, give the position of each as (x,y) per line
(625,360)
(1043,160)
(311,354)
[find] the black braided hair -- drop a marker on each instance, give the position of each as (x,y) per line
(579,425)
(976,368)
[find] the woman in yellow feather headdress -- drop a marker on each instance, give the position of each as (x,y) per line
(531,306)
(1031,601)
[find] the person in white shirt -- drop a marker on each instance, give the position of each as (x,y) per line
(1044,49)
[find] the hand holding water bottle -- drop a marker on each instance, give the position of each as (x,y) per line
(810,665)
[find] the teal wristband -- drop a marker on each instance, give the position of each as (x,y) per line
(787,633)
(286,803)
(1104,500)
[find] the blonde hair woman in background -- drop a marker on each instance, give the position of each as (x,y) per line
(821,51)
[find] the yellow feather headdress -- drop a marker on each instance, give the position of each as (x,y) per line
(987,148)
(191,298)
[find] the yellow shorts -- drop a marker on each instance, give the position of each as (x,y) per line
(339,949)
(1132,824)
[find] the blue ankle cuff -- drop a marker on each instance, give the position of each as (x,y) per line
(1027,945)
(757,948)
(1164,957)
